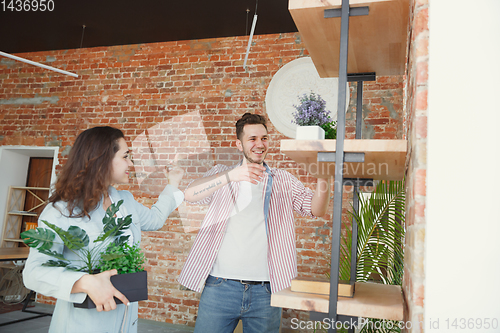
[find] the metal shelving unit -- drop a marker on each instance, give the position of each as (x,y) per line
(386,56)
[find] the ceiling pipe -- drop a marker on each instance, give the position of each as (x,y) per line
(251,33)
(37,64)
(250,40)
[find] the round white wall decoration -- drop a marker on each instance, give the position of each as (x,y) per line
(296,78)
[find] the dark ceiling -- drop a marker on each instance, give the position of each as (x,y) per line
(121,22)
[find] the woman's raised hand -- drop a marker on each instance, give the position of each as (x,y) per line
(174,173)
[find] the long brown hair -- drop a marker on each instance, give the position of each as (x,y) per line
(85,176)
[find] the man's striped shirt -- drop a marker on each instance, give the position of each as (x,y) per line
(288,195)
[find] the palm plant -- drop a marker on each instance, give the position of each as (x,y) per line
(380,248)
(380,221)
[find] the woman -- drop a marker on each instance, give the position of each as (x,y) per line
(83,192)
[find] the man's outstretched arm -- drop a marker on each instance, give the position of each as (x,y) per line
(204,187)
(321,197)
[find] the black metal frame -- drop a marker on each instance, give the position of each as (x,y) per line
(25,305)
(349,320)
(337,12)
(340,157)
(348,157)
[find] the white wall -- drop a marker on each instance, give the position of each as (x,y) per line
(463,185)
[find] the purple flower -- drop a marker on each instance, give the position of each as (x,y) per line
(311,111)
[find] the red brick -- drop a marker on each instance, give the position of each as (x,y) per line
(421,126)
(422,72)
(420,182)
(422,47)
(421,100)
(421,21)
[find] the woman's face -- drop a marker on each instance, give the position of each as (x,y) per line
(120,164)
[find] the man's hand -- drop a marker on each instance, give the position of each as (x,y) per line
(100,290)
(203,187)
(250,172)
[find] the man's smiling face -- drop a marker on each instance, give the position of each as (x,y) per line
(254,143)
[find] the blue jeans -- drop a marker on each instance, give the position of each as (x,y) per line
(224,302)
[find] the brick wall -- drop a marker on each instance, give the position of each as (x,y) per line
(176,101)
(416,133)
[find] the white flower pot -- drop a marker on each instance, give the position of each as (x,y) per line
(309,133)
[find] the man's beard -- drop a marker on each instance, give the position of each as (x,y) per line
(264,154)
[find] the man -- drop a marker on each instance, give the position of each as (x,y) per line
(245,249)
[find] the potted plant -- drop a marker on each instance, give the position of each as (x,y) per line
(313,120)
(110,251)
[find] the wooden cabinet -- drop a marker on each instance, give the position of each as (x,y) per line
(15,211)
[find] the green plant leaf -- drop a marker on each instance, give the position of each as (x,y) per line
(106,235)
(39,237)
(380,326)
(52,254)
(114,208)
(124,258)
(114,226)
(380,250)
(380,222)
(109,220)
(74,240)
(79,233)
(330,129)
(120,241)
(112,256)
(55,263)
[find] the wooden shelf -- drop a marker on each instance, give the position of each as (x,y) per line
(16,211)
(384,159)
(31,188)
(371,300)
(14,253)
(377,41)
(321,286)
(22,213)
(17,240)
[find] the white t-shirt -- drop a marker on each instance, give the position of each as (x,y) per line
(243,252)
